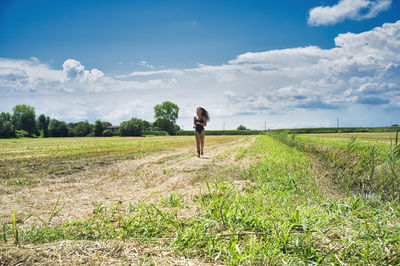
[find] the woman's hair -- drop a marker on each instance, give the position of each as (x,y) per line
(204,113)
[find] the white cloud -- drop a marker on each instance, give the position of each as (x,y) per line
(74,70)
(347,9)
(361,74)
(146,64)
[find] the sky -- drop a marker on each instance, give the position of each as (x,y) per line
(260,63)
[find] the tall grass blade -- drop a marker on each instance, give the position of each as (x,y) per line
(4,235)
(373,156)
(54,212)
(15,228)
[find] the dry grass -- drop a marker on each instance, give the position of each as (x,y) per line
(93,253)
(146,178)
(127,181)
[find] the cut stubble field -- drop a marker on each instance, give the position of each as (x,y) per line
(110,170)
(250,200)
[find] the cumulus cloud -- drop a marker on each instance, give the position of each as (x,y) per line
(347,9)
(362,72)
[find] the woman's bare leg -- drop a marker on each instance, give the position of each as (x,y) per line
(198,139)
(202,137)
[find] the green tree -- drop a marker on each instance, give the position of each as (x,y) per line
(58,128)
(133,127)
(98,128)
(146,125)
(82,129)
(6,126)
(23,118)
(108,133)
(241,127)
(106,124)
(43,124)
(165,115)
(166,111)
(71,129)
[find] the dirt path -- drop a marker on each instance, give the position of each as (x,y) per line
(127,181)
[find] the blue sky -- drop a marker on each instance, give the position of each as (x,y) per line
(246,61)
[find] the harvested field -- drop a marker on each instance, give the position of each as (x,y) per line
(249,200)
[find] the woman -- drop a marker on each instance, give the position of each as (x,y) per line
(200,121)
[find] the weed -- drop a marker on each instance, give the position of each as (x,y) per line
(15,228)
(174,200)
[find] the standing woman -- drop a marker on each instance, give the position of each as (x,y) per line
(200,121)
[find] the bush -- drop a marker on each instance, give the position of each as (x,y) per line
(166,125)
(155,133)
(108,133)
(22,134)
(132,127)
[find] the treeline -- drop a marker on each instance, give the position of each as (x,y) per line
(24,123)
(317,130)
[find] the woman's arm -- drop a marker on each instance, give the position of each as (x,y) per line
(204,123)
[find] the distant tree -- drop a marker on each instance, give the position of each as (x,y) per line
(106,124)
(43,124)
(23,118)
(58,128)
(108,133)
(82,129)
(98,128)
(133,127)
(165,115)
(71,129)
(146,125)
(166,111)
(165,125)
(7,129)
(241,127)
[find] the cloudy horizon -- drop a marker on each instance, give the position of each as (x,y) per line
(356,80)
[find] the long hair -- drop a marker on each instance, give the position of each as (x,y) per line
(205,113)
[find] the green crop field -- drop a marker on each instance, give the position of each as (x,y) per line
(266,199)
(383,137)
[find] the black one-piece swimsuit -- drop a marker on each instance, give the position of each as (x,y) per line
(199,128)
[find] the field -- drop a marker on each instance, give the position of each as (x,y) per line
(266,199)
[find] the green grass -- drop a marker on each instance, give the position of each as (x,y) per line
(279,215)
(368,165)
